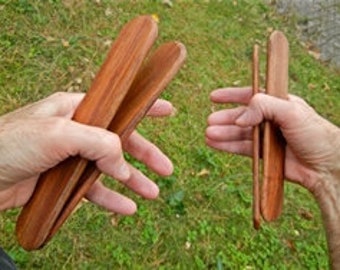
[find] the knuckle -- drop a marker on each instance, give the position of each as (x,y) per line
(111,141)
(257,102)
(295,111)
(58,95)
(257,98)
(148,153)
(55,127)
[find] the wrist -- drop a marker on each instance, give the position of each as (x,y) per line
(327,177)
(328,198)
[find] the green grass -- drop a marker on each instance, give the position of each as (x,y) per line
(200,220)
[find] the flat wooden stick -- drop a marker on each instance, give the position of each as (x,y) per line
(98,108)
(146,88)
(256,146)
(273,141)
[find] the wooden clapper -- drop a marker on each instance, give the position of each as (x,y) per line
(268,141)
(126,86)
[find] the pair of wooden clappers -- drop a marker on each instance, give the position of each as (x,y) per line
(126,86)
(268,192)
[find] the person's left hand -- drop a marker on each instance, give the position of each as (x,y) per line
(42,134)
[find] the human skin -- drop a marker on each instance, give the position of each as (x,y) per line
(312,151)
(42,134)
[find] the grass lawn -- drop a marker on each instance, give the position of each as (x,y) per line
(202,219)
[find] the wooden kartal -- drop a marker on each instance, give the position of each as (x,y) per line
(268,191)
(126,86)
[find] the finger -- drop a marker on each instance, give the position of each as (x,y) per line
(278,110)
(225,117)
(161,108)
(58,104)
(235,147)
(63,104)
(228,133)
(141,184)
(149,154)
(240,95)
(110,200)
(118,203)
(71,138)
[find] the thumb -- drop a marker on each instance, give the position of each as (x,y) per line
(60,104)
(263,106)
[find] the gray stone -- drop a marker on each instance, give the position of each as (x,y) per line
(318,22)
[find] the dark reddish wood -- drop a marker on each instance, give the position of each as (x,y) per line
(98,108)
(273,142)
(146,88)
(256,146)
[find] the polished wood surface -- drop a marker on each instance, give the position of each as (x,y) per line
(146,88)
(273,141)
(256,145)
(100,104)
(268,142)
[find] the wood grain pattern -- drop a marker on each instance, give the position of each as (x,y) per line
(146,88)
(273,142)
(256,146)
(98,108)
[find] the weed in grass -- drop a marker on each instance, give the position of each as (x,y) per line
(175,202)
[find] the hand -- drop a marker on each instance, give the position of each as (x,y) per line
(312,151)
(40,135)
(311,140)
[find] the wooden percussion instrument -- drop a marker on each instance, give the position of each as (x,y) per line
(126,86)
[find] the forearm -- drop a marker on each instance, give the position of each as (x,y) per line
(329,203)
(6,197)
